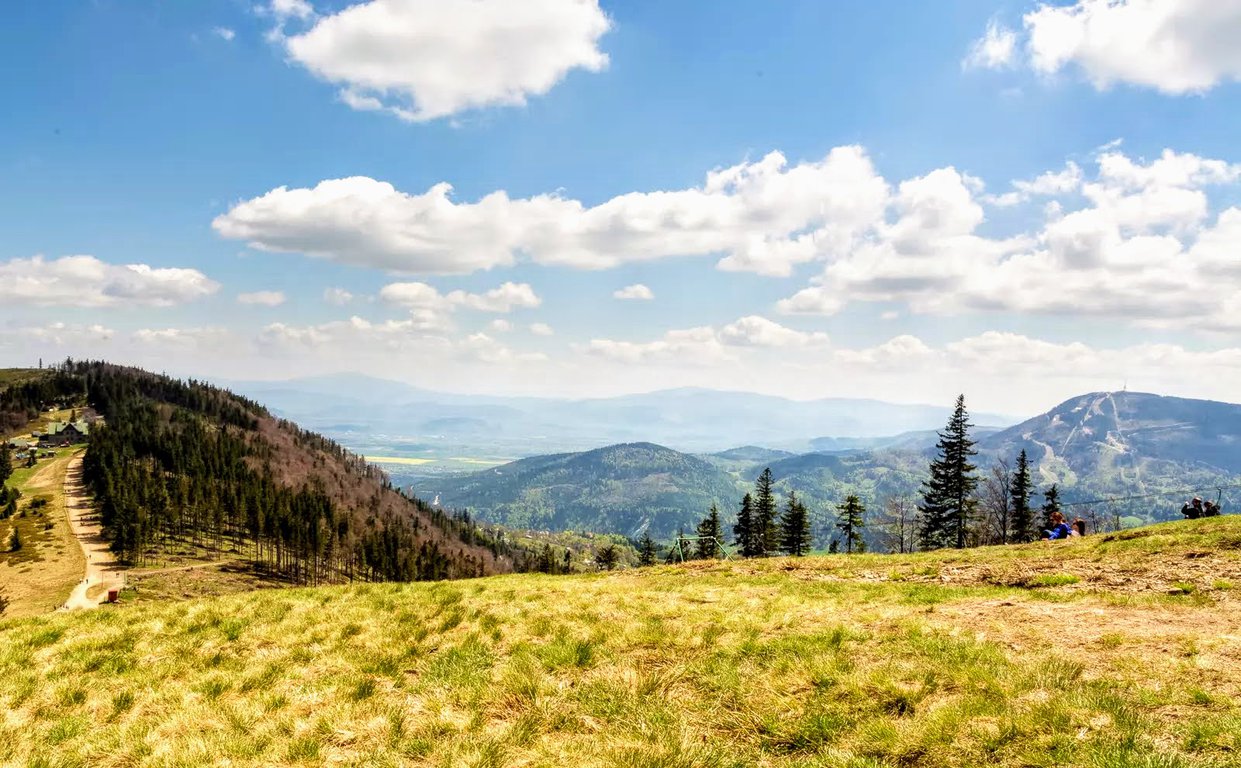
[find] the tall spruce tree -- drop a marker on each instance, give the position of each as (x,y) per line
(646,550)
(766,527)
(795,527)
(948,496)
(6,461)
(1021,524)
(708,532)
(851,520)
(746,530)
(1051,503)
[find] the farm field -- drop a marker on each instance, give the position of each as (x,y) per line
(1112,650)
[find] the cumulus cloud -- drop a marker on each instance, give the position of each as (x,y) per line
(85,281)
(541,329)
(1062,182)
(186,338)
(500,325)
(425,59)
(262,298)
(766,217)
(503,299)
(994,50)
(291,9)
(58,334)
(756,331)
(1176,47)
(1142,249)
(706,345)
(358,339)
(224,33)
(337,296)
(635,292)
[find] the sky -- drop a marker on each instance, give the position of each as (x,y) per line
(1017,201)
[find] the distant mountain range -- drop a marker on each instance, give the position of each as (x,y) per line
(1097,445)
(381,417)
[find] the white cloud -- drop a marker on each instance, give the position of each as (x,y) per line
(1173,46)
(635,292)
(224,33)
(500,325)
(756,331)
(692,346)
(262,298)
(994,50)
(426,59)
(291,9)
(764,217)
(541,329)
(337,296)
(201,339)
(85,281)
(506,298)
(1061,182)
(1142,249)
(705,345)
(59,334)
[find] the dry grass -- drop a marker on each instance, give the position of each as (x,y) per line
(720,665)
(39,577)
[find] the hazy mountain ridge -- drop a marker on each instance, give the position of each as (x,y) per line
(1101,444)
(386,414)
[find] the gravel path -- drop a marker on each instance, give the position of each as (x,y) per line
(101,566)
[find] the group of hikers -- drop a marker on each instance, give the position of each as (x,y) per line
(1196,508)
(1061,529)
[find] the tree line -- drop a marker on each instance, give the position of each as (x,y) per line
(185,463)
(956,508)
(764,528)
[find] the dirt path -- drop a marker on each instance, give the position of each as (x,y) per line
(102,570)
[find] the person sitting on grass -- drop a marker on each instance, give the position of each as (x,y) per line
(1193,510)
(1059,529)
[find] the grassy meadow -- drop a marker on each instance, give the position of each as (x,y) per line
(39,577)
(1038,655)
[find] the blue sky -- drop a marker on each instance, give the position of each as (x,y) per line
(225,166)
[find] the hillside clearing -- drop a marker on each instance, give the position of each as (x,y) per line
(703,665)
(39,577)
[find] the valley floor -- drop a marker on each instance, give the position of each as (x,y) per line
(1111,651)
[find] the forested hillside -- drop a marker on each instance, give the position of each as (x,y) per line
(624,489)
(175,461)
(1123,444)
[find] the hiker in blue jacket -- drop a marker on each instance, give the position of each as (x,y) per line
(1059,529)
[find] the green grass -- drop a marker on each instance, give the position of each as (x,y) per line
(772,663)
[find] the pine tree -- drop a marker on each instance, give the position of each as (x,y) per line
(646,550)
(795,527)
(851,521)
(1051,503)
(745,530)
(948,496)
(767,532)
(15,543)
(6,462)
(708,533)
(834,547)
(607,557)
(1022,521)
